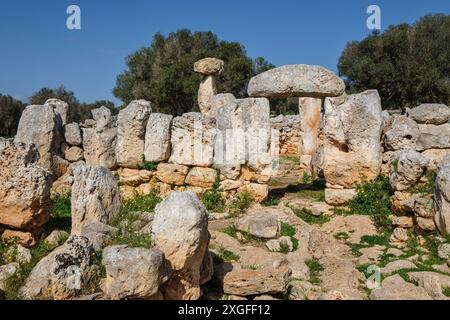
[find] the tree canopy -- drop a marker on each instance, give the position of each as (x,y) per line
(164,72)
(10,112)
(407,64)
(78,111)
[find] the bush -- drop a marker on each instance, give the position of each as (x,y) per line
(212,199)
(373,199)
(240,204)
(61,217)
(147,165)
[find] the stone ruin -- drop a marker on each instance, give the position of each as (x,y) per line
(345,140)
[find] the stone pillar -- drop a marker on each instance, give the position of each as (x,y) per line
(209,68)
(309,110)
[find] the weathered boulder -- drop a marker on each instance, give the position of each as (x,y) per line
(25,187)
(61,110)
(436,157)
(95,196)
(209,66)
(201,177)
(256,282)
(442,200)
(102,117)
(157,137)
(72,134)
(261,225)
(173,174)
(445,162)
(296,81)
(352,148)
(60,274)
(180,230)
(395,288)
(99,146)
(74,154)
(193,137)
(38,126)
(131,124)
(407,167)
(98,234)
(134,273)
(277,245)
(7,271)
(134,177)
(339,197)
(403,134)
(258,192)
(56,237)
(432,136)
(430,113)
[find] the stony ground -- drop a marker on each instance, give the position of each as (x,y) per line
(338,256)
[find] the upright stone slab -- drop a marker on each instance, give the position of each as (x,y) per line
(310,110)
(193,136)
(157,137)
(442,200)
(38,126)
(243,136)
(352,148)
(296,81)
(131,124)
(99,142)
(95,196)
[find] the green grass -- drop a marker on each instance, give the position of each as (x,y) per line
(228,256)
(60,218)
(428,187)
(147,165)
(231,231)
(127,235)
(240,204)
(344,236)
(143,203)
(394,165)
(272,201)
(288,230)
(307,178)
(314,271)
(97,272)
(446,291)
(212,199)
(307,216)
(317,195)
(15,282)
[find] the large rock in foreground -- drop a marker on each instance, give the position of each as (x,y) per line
(95,196)
(131,124)
(180,230)
(60,274)
(442,199)
(134,273)
(352,148)
(25,187)
(296,81)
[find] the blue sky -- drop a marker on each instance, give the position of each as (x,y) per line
(39,51)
